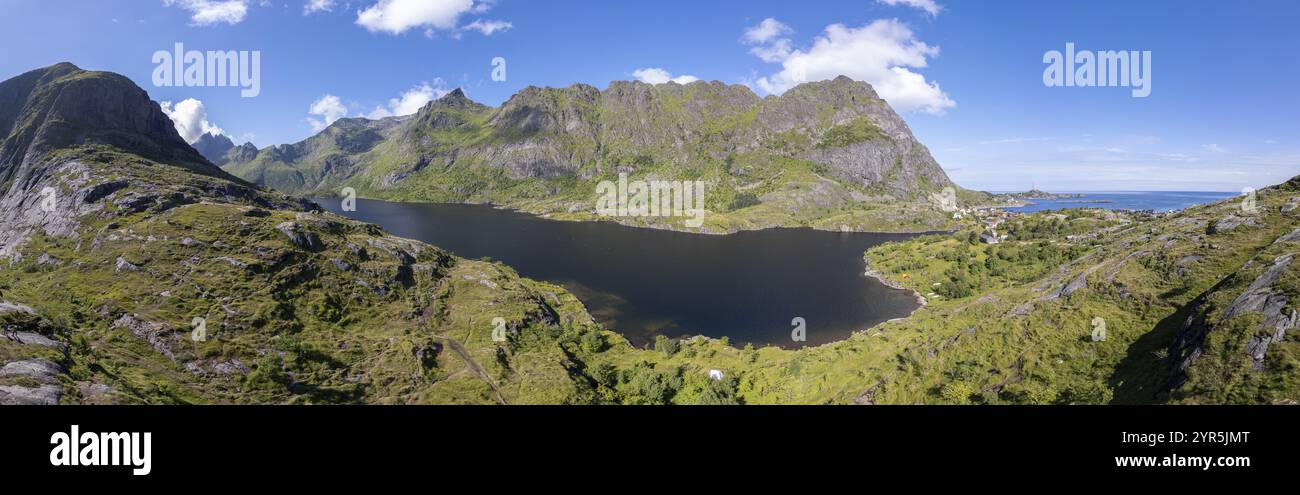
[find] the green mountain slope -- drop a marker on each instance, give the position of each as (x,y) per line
(828,154)
(1195,307)
(103,291)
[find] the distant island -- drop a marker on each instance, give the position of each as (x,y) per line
(1039,194)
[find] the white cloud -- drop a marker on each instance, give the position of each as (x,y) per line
(190,118)
(774,52)
(882,53)
(655,75)
(315,6)
(411,100)
(1213,148)
(399,16)
(766,34)
(209,12)
(927,5)
(766,31)
(489,27)
(329,108)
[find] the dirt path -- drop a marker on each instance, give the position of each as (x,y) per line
(460,349)
(473,365)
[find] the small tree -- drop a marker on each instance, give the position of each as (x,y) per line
(593,342)
(666,345)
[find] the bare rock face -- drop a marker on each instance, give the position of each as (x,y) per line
(44,395)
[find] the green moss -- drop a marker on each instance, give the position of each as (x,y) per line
(859,130)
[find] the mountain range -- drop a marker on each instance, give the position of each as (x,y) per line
(829,154)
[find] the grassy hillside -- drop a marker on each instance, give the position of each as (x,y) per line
(1014,322)
(327,310)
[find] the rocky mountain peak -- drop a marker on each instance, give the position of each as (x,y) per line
(242,153)
(455,95)
(455,99)
(62,105)
(213,147)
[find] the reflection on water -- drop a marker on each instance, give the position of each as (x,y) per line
(644,282)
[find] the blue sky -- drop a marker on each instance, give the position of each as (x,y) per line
(966,75)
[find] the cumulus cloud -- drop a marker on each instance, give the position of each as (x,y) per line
(929,6)
(399,16)
(411,100)
(1214,148)
(766,31)
(487,27)
(655,75)
(882,53)
(773,52)
(329,108)
(767,34)
(209,12)
(315,6)
(190,118)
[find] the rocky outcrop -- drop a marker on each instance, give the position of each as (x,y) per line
(42,395)
(1277,316)
(11,307)
(157,335)
(1261,296)
(40,370)
(1230,223)
(42,387)
(299,236)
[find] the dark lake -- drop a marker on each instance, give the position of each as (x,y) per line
(643,282)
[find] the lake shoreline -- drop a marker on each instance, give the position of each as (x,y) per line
(607,255)
(626,221)
(921,301)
